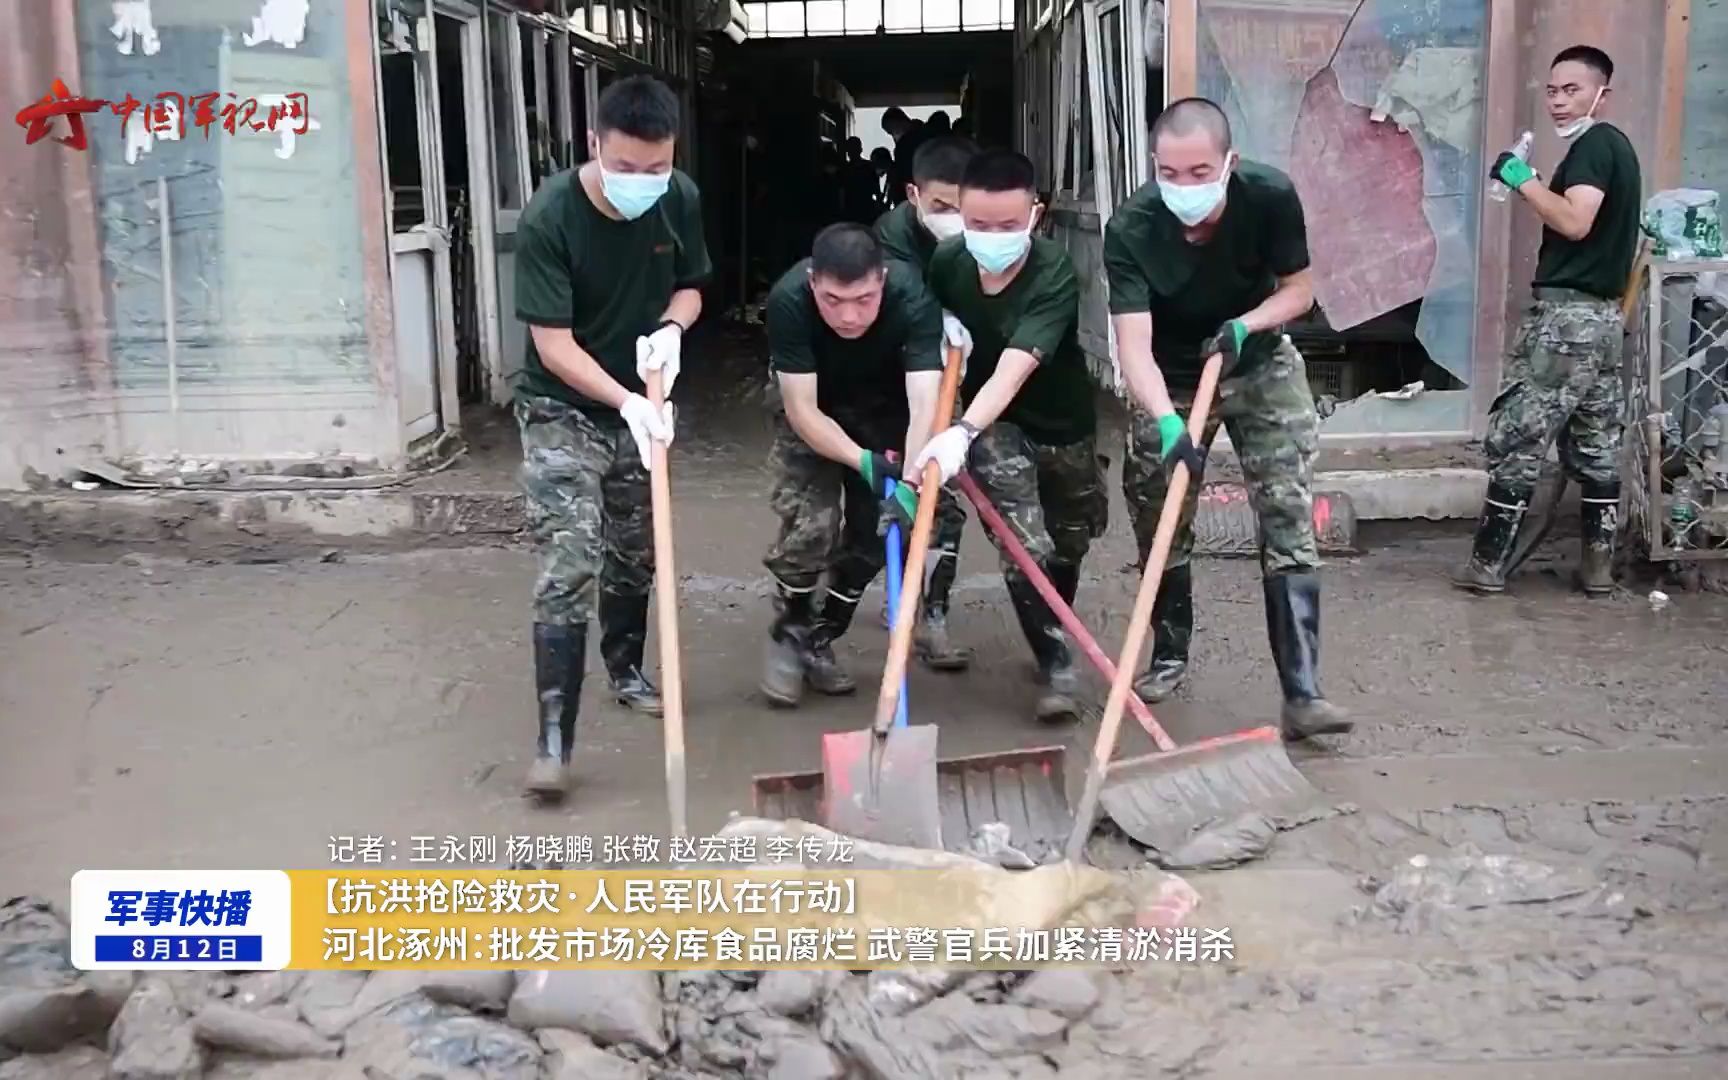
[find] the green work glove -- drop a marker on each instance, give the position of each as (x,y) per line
(1228,342)
(900,508)
(1177,446)
(1512,170)
(875,467)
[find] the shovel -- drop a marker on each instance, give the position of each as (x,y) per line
(666,628)
(1162,799)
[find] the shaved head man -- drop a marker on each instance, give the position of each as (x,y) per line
(1212,259)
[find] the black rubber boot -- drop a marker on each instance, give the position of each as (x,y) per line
(1049,645)
(559,653)
(1496,532)
(1293,625)
(822,672)
(935,648)
(1599,519)
(1172,631)
(788,643)
(623,631)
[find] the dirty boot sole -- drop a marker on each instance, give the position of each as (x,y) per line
(641,701)
(943,658)
(1481,580)
(832,682)
(548,780)
(1160,683)
(1055,708)
(1319,717)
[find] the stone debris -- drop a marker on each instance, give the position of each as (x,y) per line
(152,1038)
(1070,993)
(228,1027)
(607,1006)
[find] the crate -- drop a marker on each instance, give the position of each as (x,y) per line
(1335,377)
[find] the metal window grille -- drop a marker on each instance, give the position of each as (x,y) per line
(1676,460)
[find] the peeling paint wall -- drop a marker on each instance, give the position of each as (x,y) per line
(267,354)
(1705,160)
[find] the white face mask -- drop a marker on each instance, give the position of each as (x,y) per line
(943,226)
(1194,203)
(1582,124)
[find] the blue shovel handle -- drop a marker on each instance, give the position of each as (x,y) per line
(895,572)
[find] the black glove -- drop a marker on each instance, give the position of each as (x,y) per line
(1230,342)
(876,467)
(900,508)
(1178,446)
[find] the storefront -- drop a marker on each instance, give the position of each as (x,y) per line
(1386,114)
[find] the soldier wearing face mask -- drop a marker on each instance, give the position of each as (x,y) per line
(910,233)
(610,261)
(1562,376)
(1028,430)
(1212,258)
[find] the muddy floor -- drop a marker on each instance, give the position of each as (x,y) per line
(1562,765)
(161,712)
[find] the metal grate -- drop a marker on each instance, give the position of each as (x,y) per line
(1676,459)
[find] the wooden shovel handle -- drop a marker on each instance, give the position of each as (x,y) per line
(1141,620)
(912,588)
(666,627)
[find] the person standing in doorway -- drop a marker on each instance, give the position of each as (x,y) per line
(910,233)
(1028,431)
(1212,258)
(862,202)
(907,133)
(610,258)
(856,346)
(1562,375)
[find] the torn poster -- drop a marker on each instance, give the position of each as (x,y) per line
(134,26)
(281,21)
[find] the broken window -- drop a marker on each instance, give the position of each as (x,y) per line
(1374,107)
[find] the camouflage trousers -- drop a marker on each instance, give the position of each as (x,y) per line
(1051,496)
(588,509)
(1269,412)
(828,515)
(1562,381)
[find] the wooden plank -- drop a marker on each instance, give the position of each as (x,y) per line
(1505,100)
(1671,100)
(1181,49)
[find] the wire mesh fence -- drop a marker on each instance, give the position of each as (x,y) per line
(1676,466)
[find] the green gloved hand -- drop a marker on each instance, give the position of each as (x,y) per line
(1228,342)
(1512,170)
(900,508)
(1179,447)
(875,467)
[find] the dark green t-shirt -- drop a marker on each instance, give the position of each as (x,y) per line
(863,376)
(1039,312)
(1193,289)
(607,281)
(904,237)
(1599,264)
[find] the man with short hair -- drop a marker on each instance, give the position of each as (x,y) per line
(609,262)
(1028,431)
(1212,258)
(910,232)
(907,134)
(1562,374)
(856,347)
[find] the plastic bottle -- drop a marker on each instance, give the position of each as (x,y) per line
(1521,150)
(1682,511)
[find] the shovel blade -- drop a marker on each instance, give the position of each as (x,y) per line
(882,789)
(1163,799)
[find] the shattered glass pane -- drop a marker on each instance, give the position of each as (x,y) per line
(1419,64)
(1415,66)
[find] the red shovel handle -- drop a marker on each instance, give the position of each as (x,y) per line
(1064,614)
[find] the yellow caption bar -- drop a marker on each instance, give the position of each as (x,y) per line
(722,919)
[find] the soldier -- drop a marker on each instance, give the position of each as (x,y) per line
(910,232)
(1028,430)
(1213,258)
(609,260)
(1562,377)
(856,347)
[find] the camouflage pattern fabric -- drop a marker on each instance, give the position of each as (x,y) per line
(1562,380)
(1051,496)
(587,507)
(828,515)
(1268,410)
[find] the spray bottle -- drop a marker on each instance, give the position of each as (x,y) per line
(1521,150)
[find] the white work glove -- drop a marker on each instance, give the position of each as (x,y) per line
(948,450)
(659,351)
(954,332)
(645,424)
